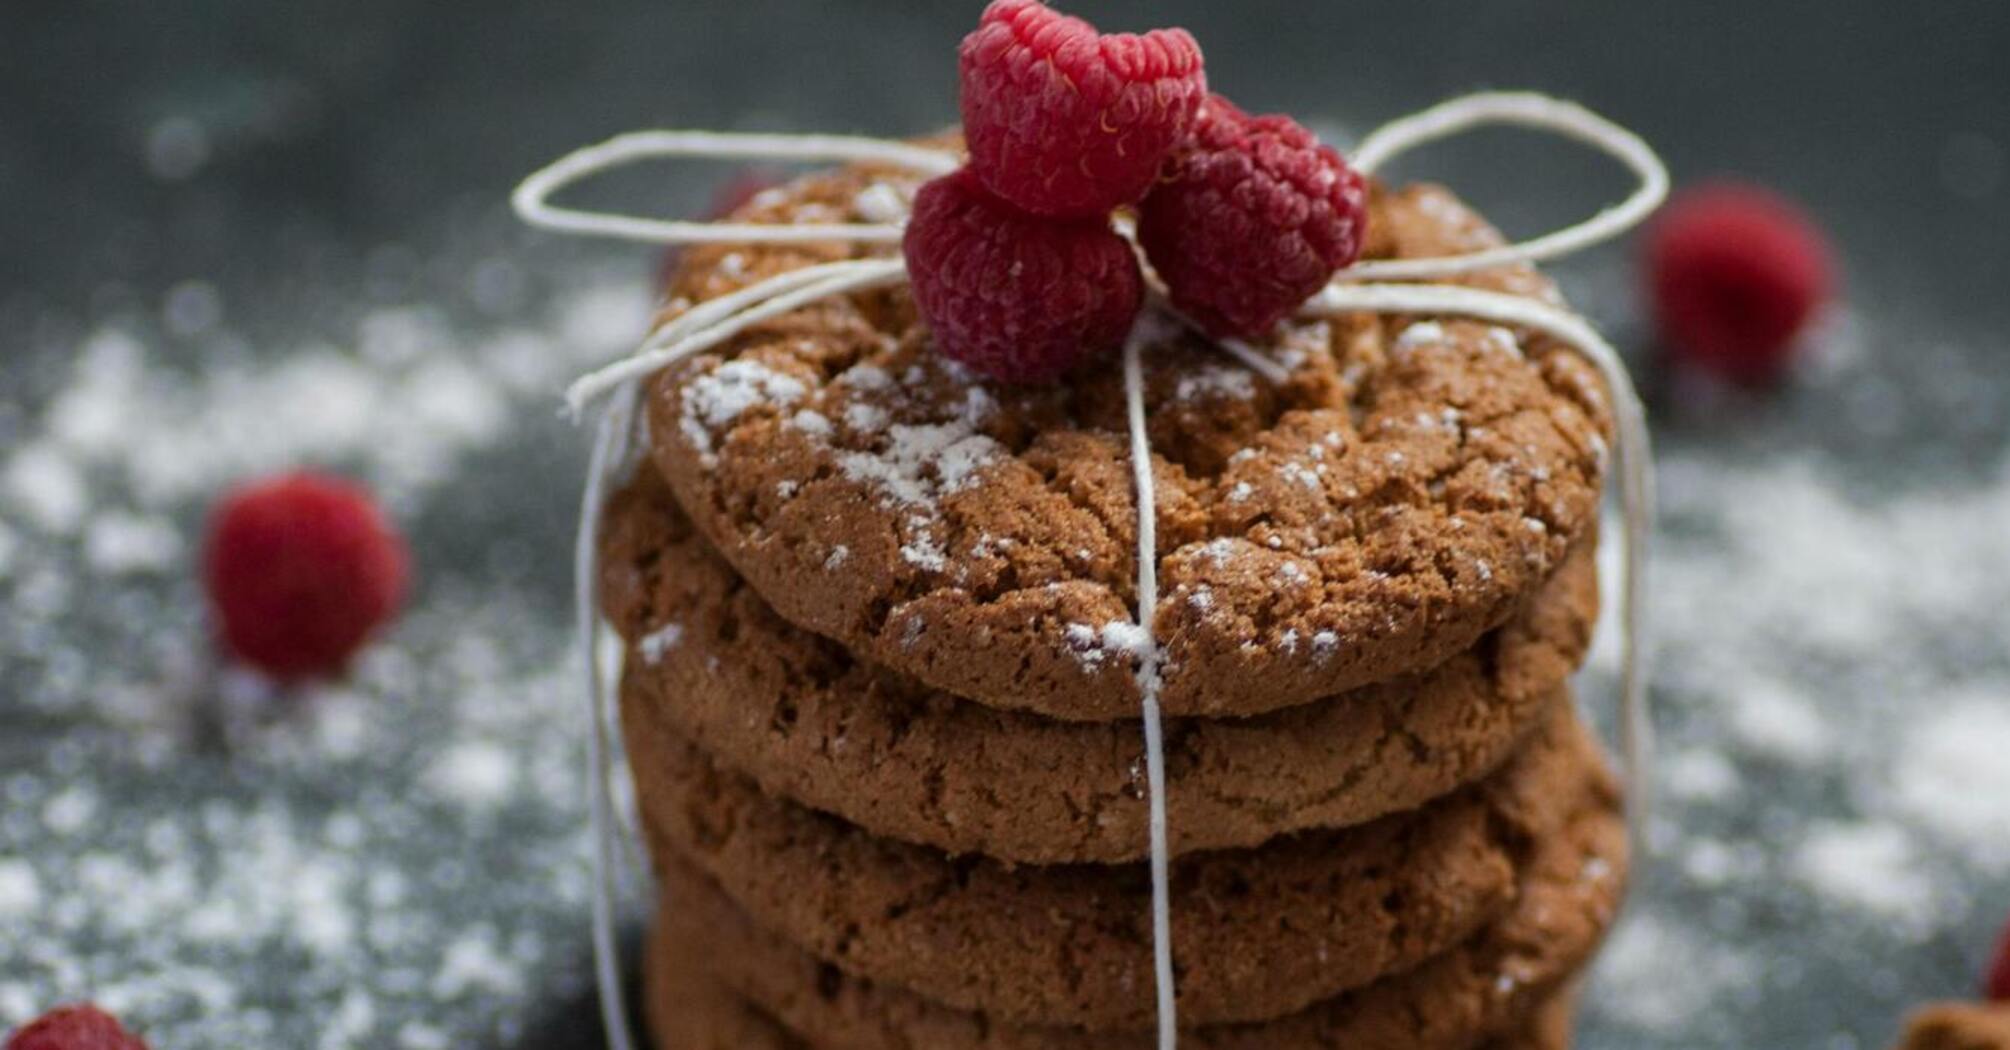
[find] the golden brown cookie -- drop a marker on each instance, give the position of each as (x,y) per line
(1256,933)
(1401,493)
(1958,1026)
(710,660)
(1483,989)
(689,1009)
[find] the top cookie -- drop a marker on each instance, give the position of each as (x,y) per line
(1397,496)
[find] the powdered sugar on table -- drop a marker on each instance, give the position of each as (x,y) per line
(397,861)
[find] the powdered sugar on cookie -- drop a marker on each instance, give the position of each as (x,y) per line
(718,398)
(1093,646)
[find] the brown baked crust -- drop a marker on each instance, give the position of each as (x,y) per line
(1257,933)
(1379,511)
(1958,1026)
(1477,991)
(689,1009)
(808,721)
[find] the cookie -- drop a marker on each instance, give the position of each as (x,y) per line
(1958,1026)
(1483,989)
(712,661)
(689,1009)
(1256,933)
(1397,496)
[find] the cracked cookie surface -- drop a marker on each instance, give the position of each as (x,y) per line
(710,660)
(1256,933)
(1397,496)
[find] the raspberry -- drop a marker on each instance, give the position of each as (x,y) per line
(1063,120)
(1996,987)
(301,570)
(1014,296)
(1251,216)
(1735,273)
(81,1027)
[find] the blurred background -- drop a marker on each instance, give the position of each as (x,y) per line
(241,237)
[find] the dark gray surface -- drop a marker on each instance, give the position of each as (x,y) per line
(354,156)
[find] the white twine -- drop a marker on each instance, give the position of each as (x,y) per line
(770,298)
(532,197)
(711,323)
(610,449)
(1148,691)
(1523,109)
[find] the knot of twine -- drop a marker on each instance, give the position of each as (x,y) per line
(1368,286)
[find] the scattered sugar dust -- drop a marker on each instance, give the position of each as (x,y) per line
(1832,830)
(393,861)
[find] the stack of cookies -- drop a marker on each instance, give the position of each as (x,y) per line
(881,699)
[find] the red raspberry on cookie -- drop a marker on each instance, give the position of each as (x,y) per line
(1063,120)
(301,570)
(1251,216)
(1014,296)
(1735,272)
(80,1027)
